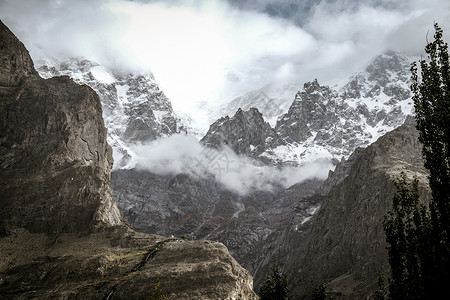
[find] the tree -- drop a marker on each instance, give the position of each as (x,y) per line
(275,287)
(406,229)
(432,104)
(156,293)
(321,292)
(418,236)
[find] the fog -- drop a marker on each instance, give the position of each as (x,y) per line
(181,154)
(214,50)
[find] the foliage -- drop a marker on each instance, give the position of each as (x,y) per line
(156,293)
(275,286)
(321,292)
(418,236)
(406,228)
(380,293)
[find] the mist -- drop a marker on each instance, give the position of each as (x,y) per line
(181,154)
(215,50)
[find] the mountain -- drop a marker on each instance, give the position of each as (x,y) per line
(246,133)
(343,244)
(135,109)
(198,208)
(61,233)
(272,101)
(329,122)
(323,122)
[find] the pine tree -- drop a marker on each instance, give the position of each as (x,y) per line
(275,287)
(321,292)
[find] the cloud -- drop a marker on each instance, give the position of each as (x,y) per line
(180,154)
(214,50)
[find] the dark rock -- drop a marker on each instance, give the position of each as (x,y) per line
(54,157)
(16,62)
(61,233)
(343,244)
(246,133)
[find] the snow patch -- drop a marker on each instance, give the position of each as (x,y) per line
(101,74)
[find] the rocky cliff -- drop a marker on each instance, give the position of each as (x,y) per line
(199,209)
(246,133)
(54,156)
(343,244)
(62,235)
(325,121)
(135,109)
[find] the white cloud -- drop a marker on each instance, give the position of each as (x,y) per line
(180,154)
(209,50)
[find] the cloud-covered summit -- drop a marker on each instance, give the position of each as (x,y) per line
(217,49)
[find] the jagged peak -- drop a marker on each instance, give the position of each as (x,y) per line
(17,65)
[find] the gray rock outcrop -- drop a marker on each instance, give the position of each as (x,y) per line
(54,158)
(246,133)
(343,244)
(61,233)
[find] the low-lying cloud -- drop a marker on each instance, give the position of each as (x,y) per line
(181,154)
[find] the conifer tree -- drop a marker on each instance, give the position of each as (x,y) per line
(275,287)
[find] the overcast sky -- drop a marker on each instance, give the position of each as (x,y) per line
(213,50)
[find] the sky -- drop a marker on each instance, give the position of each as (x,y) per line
(215,50)
(210,51)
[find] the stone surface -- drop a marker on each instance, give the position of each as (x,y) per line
(54,158)
(135,109)
(61,233)
(343,244)
(246,133)
(120,264)
(16,66)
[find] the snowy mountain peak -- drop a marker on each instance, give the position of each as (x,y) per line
(387,74)
(246,133)
(135,109)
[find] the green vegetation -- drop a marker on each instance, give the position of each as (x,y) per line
(418,236)
(156,293)
(275,287)
(321,292)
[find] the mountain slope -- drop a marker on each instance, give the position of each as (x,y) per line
(246,133)
(61,234)
(135,109)
(326,122)
(343,244)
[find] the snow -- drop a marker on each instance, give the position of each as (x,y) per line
(122,93)
(102,75)
(239,207)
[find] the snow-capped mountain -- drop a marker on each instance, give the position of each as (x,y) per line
(272,101)
(135,109)
(326,122)
(246,133)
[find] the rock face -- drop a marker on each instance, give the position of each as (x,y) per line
(54,157)
(16,66)
(325,121)
(246,133)
(135,109)
(118,264)
(200,209)
(343,244)
(61,233)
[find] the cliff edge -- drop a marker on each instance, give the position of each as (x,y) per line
(61,233)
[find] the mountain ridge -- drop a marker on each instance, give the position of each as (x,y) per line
(61,233)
